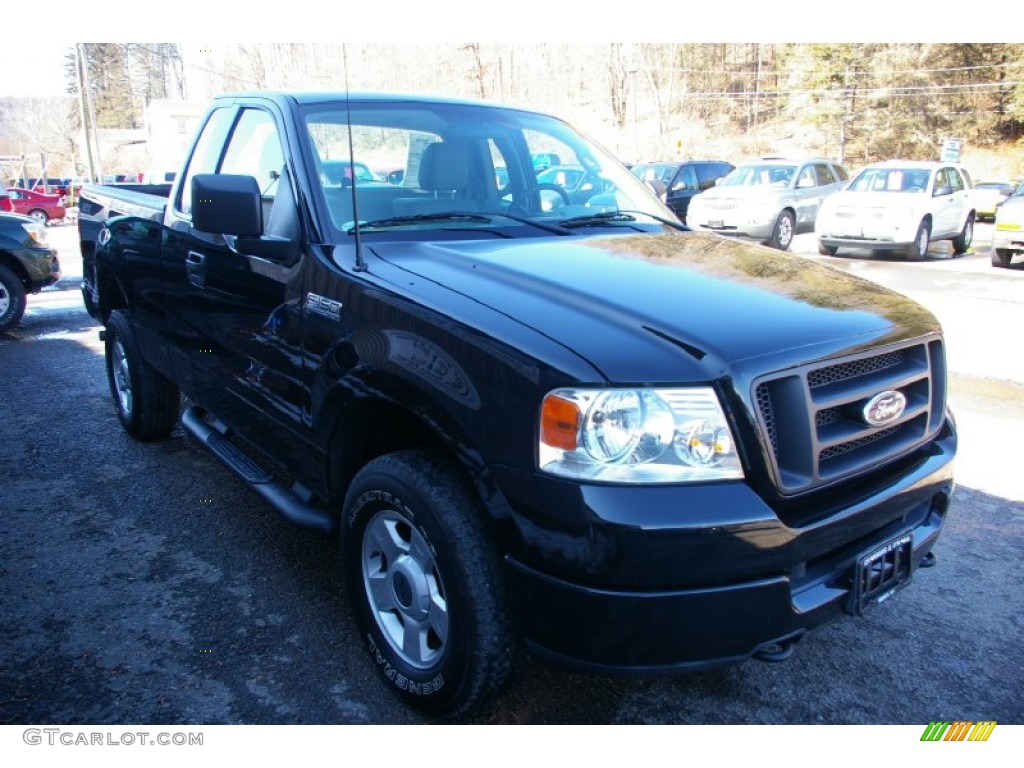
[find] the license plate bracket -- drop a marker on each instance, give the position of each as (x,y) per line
(880,572)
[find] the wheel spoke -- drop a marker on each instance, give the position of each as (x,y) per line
(414,641)
(381,594)
(387,539)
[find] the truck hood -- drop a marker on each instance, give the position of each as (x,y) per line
(670,307)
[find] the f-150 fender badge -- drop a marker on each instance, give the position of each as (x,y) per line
(884,408)
(321,305)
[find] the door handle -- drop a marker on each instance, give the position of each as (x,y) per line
(195,265)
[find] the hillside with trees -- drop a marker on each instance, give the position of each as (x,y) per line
(857,102)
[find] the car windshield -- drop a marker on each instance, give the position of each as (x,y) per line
(890,180)
(760,175)
(476,162)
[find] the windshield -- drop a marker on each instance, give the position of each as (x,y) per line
(890,180)
(760,175)
(418,161)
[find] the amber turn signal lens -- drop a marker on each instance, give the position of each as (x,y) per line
(560,423)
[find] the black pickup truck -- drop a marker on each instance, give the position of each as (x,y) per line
(543,422)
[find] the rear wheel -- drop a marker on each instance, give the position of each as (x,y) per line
(963,241)
(39,215)
(148,405)
(12,299)
(1001,257)
(425,584)
(918,249)
(782,233)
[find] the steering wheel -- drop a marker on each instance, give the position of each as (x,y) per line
(551,188)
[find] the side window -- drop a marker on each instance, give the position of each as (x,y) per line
(255,150)
(840,172)
(708,173)
(955,181)
(806,178)
(824,175)
(204,157)
(686,179)
(941,180)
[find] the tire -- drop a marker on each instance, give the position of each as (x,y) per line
(783,231)
(1001,257)
(426,584)
(148,405)
(39,215)
(962,242)
(826,250)
(12,299)
(918,249)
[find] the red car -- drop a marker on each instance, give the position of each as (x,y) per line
(40,207)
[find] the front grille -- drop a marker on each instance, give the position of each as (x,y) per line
(813,416)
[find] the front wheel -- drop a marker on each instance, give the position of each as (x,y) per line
(426,585)
(147,404)
(918,249)
(1001,257)
(12,299)
(783,231)
(39,215)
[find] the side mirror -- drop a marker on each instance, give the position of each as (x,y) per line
(227,204)
(230,204)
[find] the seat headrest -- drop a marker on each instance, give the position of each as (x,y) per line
(445,166)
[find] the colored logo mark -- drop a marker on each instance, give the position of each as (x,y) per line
(960,730)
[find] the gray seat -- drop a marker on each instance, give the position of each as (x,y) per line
(446,176)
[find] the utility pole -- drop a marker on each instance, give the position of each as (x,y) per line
(80,83)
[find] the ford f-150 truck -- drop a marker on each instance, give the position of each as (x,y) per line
(567,425)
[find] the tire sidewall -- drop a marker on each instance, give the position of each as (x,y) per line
(16,299)
(781,230)
(119,330)
(436,687)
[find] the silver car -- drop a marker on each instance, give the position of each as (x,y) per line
(769,200)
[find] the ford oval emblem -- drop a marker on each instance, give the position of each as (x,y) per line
(884,408)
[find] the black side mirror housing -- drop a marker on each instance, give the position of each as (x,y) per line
(227,204)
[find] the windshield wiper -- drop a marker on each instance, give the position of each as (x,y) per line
(397,221)
(611,218)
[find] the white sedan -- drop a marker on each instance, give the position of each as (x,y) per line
(900,206)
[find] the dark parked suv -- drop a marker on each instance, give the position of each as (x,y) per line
(27,265)
(683,180)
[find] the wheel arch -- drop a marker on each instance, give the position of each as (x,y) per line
(15,266)
(364,428)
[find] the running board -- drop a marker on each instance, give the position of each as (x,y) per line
(285,500)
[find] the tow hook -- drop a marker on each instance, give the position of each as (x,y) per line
(928,561)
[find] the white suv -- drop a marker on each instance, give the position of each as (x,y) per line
(769,200)
(902,206)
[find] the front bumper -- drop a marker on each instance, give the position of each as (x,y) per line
(875,244)
(41,265)
(650,595)
(1011,240)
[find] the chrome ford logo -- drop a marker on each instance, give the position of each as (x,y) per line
(884,408)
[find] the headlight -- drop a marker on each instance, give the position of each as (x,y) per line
(637,436)
(36,231)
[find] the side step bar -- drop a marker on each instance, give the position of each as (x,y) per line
(284,500)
